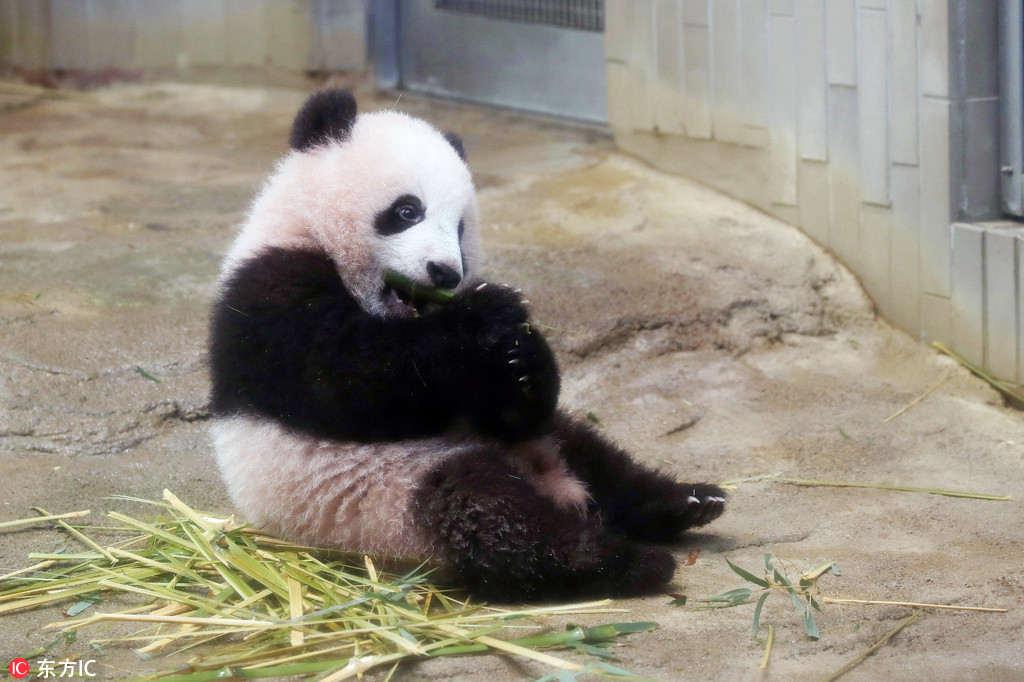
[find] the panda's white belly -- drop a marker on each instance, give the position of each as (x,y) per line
(325,493)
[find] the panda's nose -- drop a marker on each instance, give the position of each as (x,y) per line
(442,275)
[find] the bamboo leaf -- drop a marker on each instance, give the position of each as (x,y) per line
(730,598)
(810,627)
(747,575)
(757,613)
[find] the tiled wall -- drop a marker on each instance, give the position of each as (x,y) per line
(179,34)
(870,124)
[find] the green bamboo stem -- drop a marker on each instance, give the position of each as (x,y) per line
(415,292)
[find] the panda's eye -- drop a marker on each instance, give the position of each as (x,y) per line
(408,213)
(404,212)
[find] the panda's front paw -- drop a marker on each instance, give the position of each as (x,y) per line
(485,313)
(517,385)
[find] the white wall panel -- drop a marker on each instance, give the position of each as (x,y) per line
(813,79)
(903,91)
(872,106)
(670,91)
(841,41)
(782,63)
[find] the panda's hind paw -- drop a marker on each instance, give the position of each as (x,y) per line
(666,514)
(704,508)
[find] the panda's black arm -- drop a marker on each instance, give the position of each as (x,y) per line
(289,342)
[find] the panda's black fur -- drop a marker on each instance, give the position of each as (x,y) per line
(365,378)
(457,402)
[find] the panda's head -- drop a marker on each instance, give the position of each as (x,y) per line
(374,191)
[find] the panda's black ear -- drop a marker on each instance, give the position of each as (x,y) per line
(327,115)
(456,142)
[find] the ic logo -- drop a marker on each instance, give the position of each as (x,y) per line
(18,668)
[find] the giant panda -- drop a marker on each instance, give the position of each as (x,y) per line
(346,415)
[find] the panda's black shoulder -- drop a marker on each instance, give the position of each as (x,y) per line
(281,277)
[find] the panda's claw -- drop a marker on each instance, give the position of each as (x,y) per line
(482,286)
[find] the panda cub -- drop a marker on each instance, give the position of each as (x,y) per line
(346,415)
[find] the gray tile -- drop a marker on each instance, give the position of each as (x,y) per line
(844,184)
(814,200)
(980,53)
(875,232)
(934,47)
(69,33)
(726,78)
(616,30)
(8,35)
(697,82)
(158,34)
(696,12)
(1020,309)
(755,80)
(968,293)
(111,33)
(204,32)
(642,64)
(668,92)
(782,8)
(905,250)
(936,320)
(620,90)
(981,194)
(937,195)
(1001,304)
(246,32)
(289,29)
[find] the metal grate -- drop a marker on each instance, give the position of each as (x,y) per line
(587,15)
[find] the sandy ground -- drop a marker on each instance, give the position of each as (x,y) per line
(715,342)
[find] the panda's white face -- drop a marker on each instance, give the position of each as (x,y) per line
(393,194)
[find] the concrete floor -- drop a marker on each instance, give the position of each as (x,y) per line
(714,342)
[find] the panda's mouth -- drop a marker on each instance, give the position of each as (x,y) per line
(399,305)
(404,296)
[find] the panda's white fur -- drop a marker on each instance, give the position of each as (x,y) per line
(361,491)
(346,416)
(387,154)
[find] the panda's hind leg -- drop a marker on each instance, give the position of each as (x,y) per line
(508,542)
(636,501)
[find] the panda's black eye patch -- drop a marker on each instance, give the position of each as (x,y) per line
(404,212)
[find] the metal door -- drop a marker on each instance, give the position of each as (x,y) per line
(544,56)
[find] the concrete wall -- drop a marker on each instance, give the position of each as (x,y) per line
(870,124)
(299,35)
